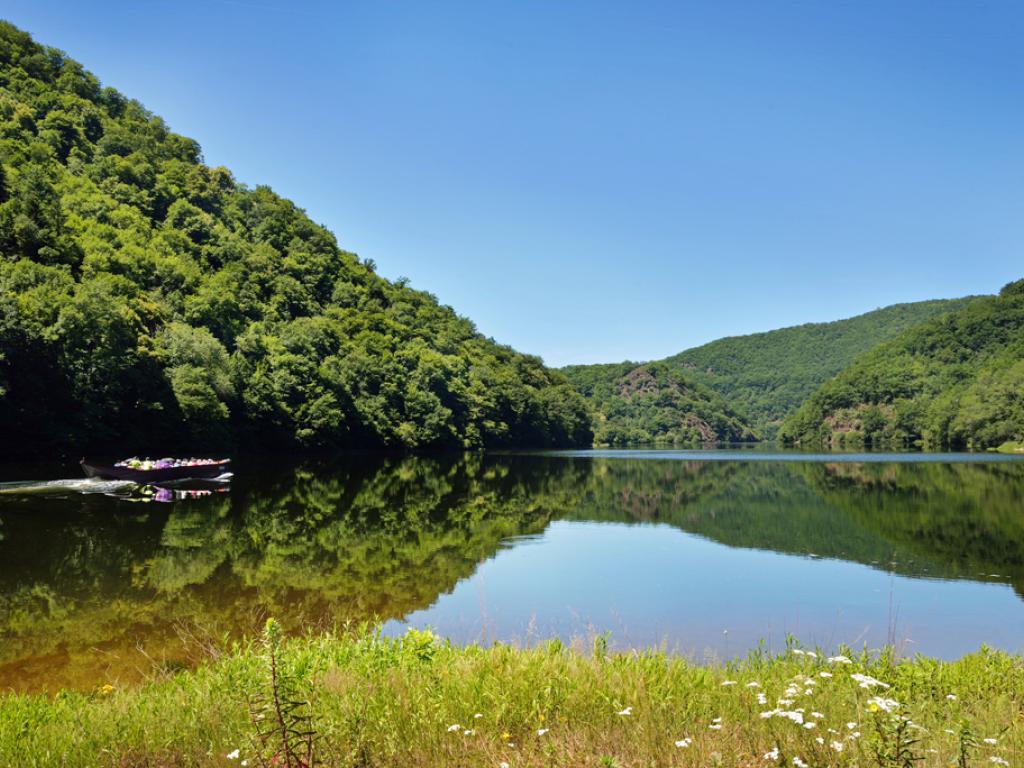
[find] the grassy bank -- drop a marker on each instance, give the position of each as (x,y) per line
(420,702)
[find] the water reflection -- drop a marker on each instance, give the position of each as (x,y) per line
(87,580)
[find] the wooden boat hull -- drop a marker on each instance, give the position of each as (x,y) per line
(153,476)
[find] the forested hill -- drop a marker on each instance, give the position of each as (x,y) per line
(768,375)
(655,403)
(758,379)
(955,381)
(148,301)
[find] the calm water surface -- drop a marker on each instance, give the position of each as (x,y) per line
(706,553)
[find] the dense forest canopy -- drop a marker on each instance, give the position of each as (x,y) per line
(736,388)
(150,301)
(655,403)
(768,375)
(957,381)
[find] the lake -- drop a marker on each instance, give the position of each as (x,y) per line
(708,553)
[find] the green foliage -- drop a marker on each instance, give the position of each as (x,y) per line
(953,381)
(895,745)
(282,724)
(381,704)
(147,300)
(762,377)
(655,403)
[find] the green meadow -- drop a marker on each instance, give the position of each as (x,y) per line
(362,699)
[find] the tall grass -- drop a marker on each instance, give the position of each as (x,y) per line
(418,701)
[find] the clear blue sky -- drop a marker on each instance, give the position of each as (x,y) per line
(597,181)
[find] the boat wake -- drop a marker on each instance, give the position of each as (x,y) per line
(174,490)
(63,487)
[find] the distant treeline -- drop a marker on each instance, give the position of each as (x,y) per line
(655,403)
(738,388)
(956,380)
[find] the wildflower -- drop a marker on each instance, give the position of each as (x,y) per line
(233,755)
(951,696)
(876,703)
(762,699)
(850,726)
(454,727)
(824,674)
(626,712)
(477,716)
(773,755)
(505,735)
(991,741)
(728,682)
(866,681)
(998,760)
(839,660)
(799,763)
(809,725)
(855,735)
(785,702)
(684,743)
(106,689)
(812,654)
(468,732)
(753,684)
(796,715)
(541,731)
(817,715)
(798,652)
(837,746)
(717,720)
(502,764)
(715,726)
(819,740)
(950,731)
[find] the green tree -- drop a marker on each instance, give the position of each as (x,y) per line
(149,299)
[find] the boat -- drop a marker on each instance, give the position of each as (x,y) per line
(156,475)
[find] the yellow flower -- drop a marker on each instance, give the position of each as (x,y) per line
(106,689)
(505,736)
(542,717)
(873,707)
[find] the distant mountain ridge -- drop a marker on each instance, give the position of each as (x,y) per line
(742,387)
